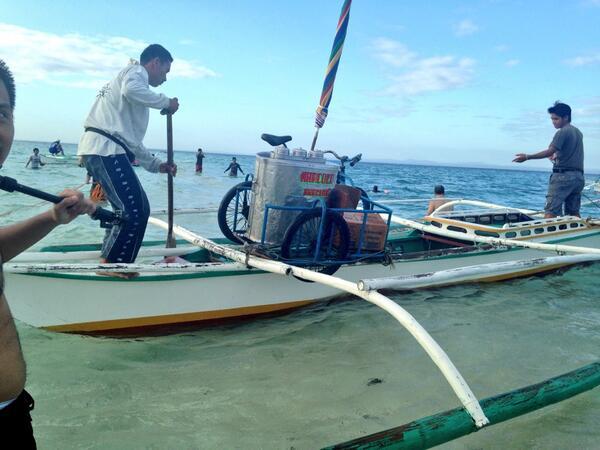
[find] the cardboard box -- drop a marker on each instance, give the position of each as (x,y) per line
(345,197)
(375,231)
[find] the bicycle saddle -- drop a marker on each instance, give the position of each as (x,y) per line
(275,140)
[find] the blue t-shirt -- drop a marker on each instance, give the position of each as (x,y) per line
(54,148)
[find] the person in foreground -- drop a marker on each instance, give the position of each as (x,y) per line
(15,402)
(566,152)
(35,160)
(438,200)
(233,168)
(114,131)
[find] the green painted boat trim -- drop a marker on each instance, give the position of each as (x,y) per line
(446,426)
(95,247)
(143,278)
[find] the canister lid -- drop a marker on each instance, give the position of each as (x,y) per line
(299,153)
(316,154)
(280,152)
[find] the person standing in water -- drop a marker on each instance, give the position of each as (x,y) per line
(35,160)
(233,168)
(15,402)
(199,158)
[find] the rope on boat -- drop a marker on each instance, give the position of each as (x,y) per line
(435,352)
(182,211)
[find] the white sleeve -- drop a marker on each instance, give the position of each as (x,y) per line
(136,90)
(146,160)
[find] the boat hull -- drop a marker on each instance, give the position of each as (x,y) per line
(96,304)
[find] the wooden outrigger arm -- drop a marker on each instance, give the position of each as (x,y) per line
(435,352)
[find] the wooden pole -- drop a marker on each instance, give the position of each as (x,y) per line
(170,238)
(314,141)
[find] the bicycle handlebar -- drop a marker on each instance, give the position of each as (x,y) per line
(345,159)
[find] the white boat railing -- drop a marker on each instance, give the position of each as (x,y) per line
(146,269)
(431,347)
(446,207)
(557,248)
(411,200)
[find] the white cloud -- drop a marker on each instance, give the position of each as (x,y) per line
(419,75)
(76,60)
(512,62)
(465,28)
(578,61)
(393,53)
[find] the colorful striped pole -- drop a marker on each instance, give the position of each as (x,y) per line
(334,60)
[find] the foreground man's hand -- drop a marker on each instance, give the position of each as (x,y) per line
(73,205)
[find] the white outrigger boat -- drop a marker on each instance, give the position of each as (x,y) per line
(489,243)
(49,158)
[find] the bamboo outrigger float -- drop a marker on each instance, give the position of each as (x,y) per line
(448,425)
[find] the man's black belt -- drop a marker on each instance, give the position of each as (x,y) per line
(117,141)
(565,169)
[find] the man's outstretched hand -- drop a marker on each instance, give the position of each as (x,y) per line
(520,157)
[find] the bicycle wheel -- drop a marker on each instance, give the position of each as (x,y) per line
(233,215)
(299,244)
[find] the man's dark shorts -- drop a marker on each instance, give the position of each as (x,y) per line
(564,188)
(15,423)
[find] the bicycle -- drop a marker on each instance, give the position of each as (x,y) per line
(319,237)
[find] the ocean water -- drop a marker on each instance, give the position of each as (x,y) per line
(301,380)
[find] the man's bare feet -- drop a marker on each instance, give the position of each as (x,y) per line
(174,260)
(124,275)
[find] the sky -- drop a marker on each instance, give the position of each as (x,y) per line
(442,81)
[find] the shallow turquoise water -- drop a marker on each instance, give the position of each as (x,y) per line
(301,380)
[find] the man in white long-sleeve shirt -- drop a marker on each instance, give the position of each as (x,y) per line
(114,131)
